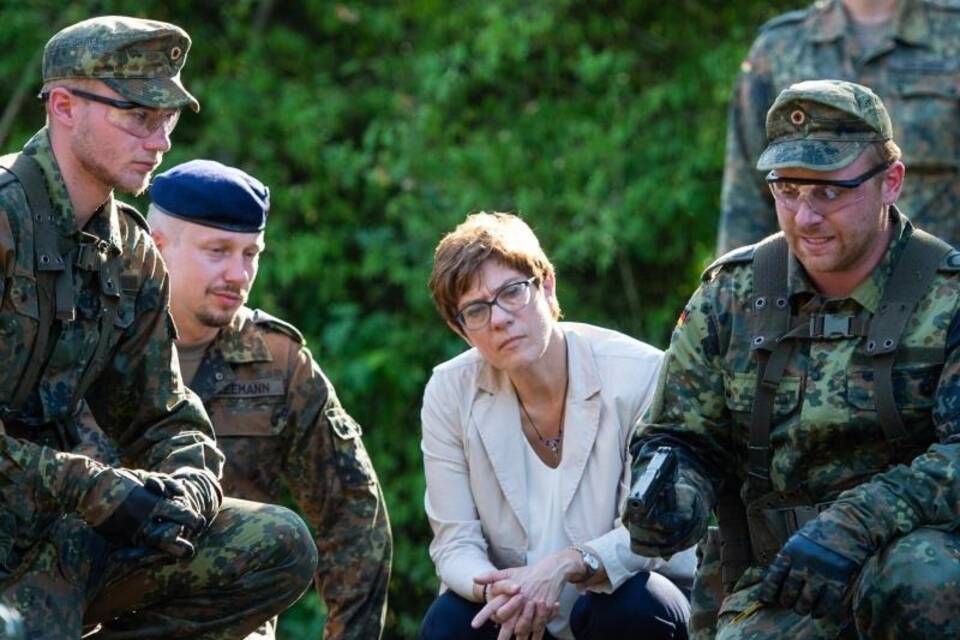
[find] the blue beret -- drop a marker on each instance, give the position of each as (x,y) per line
(212,194)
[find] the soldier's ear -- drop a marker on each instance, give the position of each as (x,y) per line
(893,182)
(159,238)
(62,107)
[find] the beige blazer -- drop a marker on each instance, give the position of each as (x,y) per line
(473,458)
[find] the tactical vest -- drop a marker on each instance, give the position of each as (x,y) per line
(755,532)
(55,258)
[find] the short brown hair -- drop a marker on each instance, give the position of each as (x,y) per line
(461,253)
(887,151)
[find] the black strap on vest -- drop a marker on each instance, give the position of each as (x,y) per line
(28,173)
(55,257)
(908,283)
(771,311)
(775,334)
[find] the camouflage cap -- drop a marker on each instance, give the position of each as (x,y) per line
(139,59)
(823,125)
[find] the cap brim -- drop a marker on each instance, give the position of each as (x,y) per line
(816,155)
(160,93)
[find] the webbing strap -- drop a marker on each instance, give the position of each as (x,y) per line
(908,283)
(109,279)
(735,550)
(30,176)
(770,320)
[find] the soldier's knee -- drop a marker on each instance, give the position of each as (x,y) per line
(917,561)
(907,586)
(294,547)
(277,542)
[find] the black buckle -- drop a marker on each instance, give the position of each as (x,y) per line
(831,326)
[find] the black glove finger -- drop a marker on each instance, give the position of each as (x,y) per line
(827,601)
(177,511)
(166,537)
(773,580)
(173,488)
(792,587)
(834,599)
(668,498)
(810,594)
(154,485)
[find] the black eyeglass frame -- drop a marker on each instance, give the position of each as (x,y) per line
(851,183)
(532,281)
(123,105)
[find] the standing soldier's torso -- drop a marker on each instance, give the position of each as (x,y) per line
(915,71)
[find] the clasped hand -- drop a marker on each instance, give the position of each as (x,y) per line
(155,516)
(522,600)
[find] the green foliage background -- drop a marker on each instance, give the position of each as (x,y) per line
(379,125)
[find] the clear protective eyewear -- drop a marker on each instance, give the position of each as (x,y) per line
(823,196)
(134,118)
(511,297)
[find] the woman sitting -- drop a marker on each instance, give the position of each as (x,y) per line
(525,452)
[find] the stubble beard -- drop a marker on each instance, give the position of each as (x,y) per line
(215,319)
(89,154)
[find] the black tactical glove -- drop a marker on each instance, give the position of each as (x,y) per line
(677,520)
(808,577)
(156,515)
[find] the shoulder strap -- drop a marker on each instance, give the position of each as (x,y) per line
(770,319)
(909,282)
(263,318)
(28,173)
(131,211)
(790,17)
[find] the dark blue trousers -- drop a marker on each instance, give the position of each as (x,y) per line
(646,606)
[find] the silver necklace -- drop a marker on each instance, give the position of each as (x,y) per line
(556,443)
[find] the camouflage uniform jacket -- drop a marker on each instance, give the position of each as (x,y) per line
(136,395)
(916,71)
(276,414)
(825,436)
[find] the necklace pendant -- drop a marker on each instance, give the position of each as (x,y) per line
(553,444)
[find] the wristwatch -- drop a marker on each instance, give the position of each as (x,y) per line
(590,561)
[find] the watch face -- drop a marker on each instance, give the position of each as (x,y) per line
(591,561)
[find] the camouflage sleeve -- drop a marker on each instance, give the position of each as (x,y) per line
(7,256)
(139,399)
(925,493)
(333,482)
(746,206)
(688,411)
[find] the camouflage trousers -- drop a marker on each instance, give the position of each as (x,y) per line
(252,563)
(707,594)
(910,589)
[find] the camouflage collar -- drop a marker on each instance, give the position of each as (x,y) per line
(104,223)
(242,341)
(869,292)
(829,22)
(39,148)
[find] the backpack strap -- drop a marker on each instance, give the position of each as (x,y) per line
(30,177)
(770,320)
(909,282)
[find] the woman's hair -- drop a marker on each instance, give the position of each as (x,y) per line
(501,236)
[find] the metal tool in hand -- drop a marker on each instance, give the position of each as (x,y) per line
(650,484)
